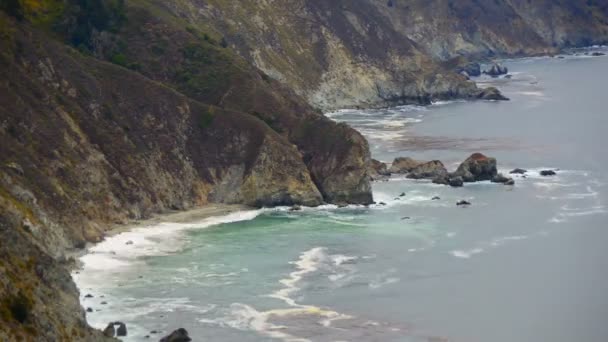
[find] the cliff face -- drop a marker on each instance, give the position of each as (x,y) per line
(373,53)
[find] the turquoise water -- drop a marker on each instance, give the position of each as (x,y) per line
(523,263)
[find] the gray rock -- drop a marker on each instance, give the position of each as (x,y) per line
(122,329)
(496,70)
(404,165)
(491,94)
(378,170)
(547,173)
(436,198)
(510,182)
(428,170)
(179,335)
(500,178)
(109,330)
(518,171)
(463,203)
(456,182)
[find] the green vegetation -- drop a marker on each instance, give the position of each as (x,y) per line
(206,118)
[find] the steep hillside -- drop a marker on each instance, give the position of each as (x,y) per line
(373,53)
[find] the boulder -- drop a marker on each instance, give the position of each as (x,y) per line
(496,70)
(597,54)
(456,182)
(122,329)
(477,167)
(403,165)
(442,179)
(436,198)
(510,182)
(518,171)
(547,173)
(402,194)
(179,335)
(463,203)
(378,170)
(429,170)
(491,94)
(109,330)
(500,178)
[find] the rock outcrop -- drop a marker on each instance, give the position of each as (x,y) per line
(429,170)
(477,167)
(491,94)
(179,335)
(378,170)
(404,165)
(496,70)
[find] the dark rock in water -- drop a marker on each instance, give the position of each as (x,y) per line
(508,76)
(406,218)
(103,303)
(179,335)
(477,167)
(153,332)
(463,203)
(403,165)
(510,182)
(89,309)
(428,170)
(597,54)
(500,178)
(109,330)
(402,194)
(456,182)
(441,179)
(518,171)
(547,173)
(88,295)
(382,203)
(295,208)
(472,69)
(436,198)
(129,242)
(491,94)
(378,170)
(496,70)
(122,329)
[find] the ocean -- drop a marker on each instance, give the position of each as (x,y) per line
(522,263)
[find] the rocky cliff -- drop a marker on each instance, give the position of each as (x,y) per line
(371,53)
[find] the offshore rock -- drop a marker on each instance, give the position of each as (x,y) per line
(378,170)
(404,165)
(428,170)
(496,70)
(477,167)
(491,94)
(179,335)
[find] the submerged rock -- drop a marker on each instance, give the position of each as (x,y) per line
(547,173)
(511,181)
(436,198)
(597,54)
(429,170)
(179,335)
(477,167)
(463,203)
(295,208)
(403,165)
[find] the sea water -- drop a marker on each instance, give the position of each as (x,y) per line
(523,263)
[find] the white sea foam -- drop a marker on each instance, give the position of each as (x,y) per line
(466,254)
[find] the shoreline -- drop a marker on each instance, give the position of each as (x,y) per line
(186,216)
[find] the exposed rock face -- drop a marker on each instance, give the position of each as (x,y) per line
(518,171)
(477,168)
(428,170)
(404,165)
(500,178)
